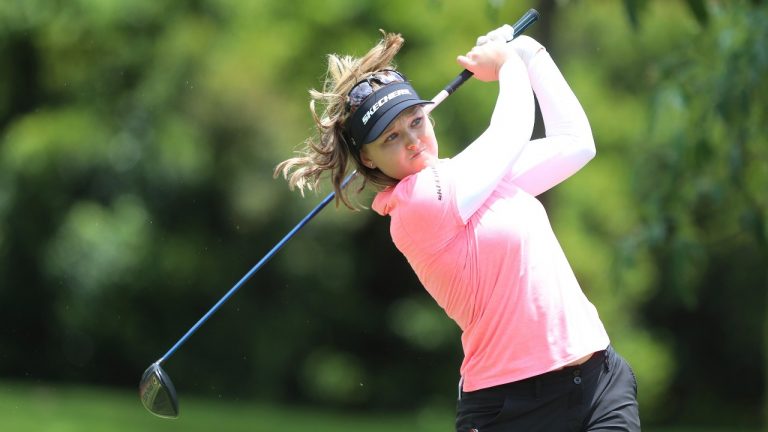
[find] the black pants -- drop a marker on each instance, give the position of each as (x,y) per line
(599,395)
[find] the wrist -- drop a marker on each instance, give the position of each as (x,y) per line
(512,66)
(527,48)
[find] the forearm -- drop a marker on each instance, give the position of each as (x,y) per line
(485,162)
(568,145)
(561,111)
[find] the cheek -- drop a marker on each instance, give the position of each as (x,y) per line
(368,154)
(429,133)
(431,140)
(383,157)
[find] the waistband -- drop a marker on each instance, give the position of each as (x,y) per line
(554,379)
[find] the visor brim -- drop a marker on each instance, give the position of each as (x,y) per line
(386,118)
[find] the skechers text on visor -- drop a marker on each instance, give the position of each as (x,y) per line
(378,110)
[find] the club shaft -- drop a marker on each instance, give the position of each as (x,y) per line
(253,270)
(520,26)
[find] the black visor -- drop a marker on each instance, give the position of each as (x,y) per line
(378,110)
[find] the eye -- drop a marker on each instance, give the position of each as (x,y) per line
(417,122)
(391,137)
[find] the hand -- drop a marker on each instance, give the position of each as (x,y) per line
(503,34)
(525,46)
(485,60)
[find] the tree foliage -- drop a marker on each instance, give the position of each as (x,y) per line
(701,171)
(137,141)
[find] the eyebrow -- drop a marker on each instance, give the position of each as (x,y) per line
(408,112)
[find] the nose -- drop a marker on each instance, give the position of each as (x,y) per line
(411,141)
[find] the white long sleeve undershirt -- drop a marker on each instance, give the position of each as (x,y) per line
(505,148)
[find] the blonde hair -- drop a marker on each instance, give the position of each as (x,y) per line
(328,150)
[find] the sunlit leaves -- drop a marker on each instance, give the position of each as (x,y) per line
(421,324)
(334,376)
(62,141)
(99,248)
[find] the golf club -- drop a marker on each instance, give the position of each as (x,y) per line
(156,391)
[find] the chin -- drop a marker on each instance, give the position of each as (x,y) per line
(427,160)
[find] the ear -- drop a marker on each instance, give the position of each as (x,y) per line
(367,161)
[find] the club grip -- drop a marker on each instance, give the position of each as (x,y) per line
(524,22)
(517,29)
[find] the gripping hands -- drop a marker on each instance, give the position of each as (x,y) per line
(525,46)
(494,48)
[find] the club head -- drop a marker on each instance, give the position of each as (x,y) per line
(157,392)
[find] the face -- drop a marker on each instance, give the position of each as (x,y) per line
(406,147)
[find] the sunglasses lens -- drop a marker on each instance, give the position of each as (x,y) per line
(359,93)
(363,89)
(388,76)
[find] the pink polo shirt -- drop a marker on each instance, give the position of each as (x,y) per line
(485,250)
(502,276)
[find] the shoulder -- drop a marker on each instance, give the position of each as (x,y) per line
(423,203)
(429,187)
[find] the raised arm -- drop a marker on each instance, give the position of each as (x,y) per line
(481,165)
(569,144)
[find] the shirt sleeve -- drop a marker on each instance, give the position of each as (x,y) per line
(485,162)
(568,145)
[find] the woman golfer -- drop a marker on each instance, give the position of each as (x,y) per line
(536,355)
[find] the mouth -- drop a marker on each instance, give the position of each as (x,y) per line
(417,153)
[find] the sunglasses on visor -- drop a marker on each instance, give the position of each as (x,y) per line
(363,88)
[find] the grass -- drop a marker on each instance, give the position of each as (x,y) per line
(48,408)
(44,408)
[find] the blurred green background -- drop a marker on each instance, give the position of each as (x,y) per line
(137,142)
